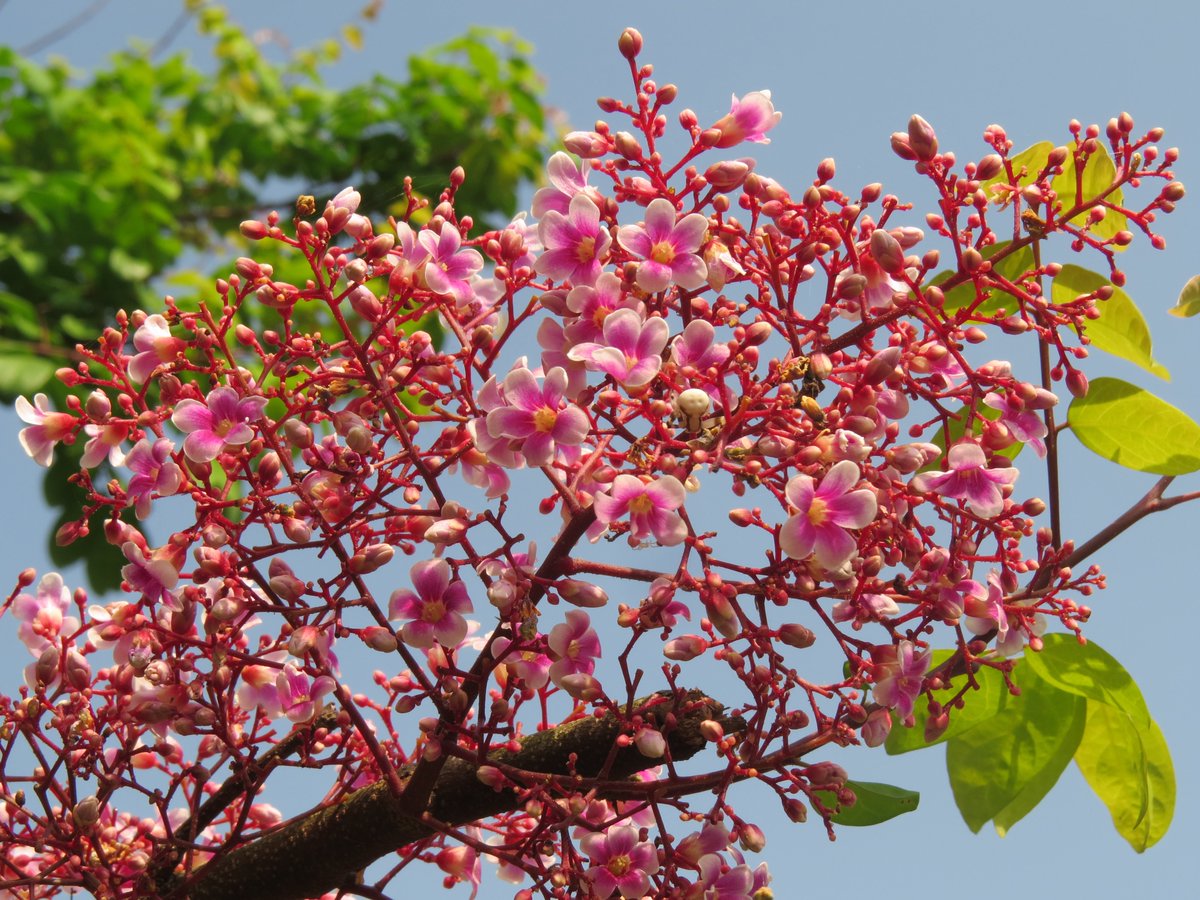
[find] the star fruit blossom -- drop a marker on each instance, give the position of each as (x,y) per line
(576,243)
(749,119)
(668,248)
(823,515)
(540,418)
(651,507)
(156,347)
(566,181)
(43,615)
(969,479)
(449,268)
(575,646)
(435,610)
(46,428)
(221,419)
(153,471)
(619,862)
(899,675)
(631,351)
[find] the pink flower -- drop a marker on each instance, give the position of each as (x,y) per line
(651,507)
(667,247)
(575,645)
(631,351)
(695,347)
(824,513)
(749,119)
(575,243)
(899,675)
(153,472)
(1025,424)
(593,305)
(435,610)
(449,269)
(43,616)
(153,578)
(300,696)
(158,347)
(532,667)
(619,862)
(969,479)
(984,607)
(105,441)
(566,181)
(221,419)
(46,428)
(540,418)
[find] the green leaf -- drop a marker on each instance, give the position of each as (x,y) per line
(1130,769)
(1002,767)
(1098,175)
(1188,303)
(1032,159)
(1089,671)
(1133,428)
(24,373)
(1121,329)
(979,705)
(876,803)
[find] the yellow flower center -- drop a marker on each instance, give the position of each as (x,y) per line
(433,611)
(640,504)
(619,865)
(663,252)
(818,512)
(544,419)
(586,251)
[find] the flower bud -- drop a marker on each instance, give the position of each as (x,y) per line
(379,638)
(729,174)
(86,813)
(650,743)
(581,686)
(681,649)
(630,43)
(887,251)
(581,593)
(921,139)
(751,838)
(586,144)
(371,558)
(796,635)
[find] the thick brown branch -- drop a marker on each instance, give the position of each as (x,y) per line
(315,854)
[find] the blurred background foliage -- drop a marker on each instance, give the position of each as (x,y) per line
(122,184)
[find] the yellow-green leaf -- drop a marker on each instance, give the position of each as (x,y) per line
(876,803)
(1121,329)
(1089,671)
(1133,428)
(1098,176)
(1130,769)
(1188,303)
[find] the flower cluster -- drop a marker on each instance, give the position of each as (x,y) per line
(679,365)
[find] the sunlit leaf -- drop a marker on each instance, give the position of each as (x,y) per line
(1089,671)
(1098,175)
(1188,303)
(1130,769)
(1121,329)
(1014,757)
(1133,428)
(876,803)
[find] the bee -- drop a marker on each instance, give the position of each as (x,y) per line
(1036,227)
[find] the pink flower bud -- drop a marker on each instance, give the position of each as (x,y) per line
(728,175)
(586,144)
(681,649)
(86,813)
(922,139)
(379,638)
(712,731)
(581,686)
(630,43)
(877,727)
(887,251)
(650,743)
(795,635)
(825,774)
(751,838)
(581,593)
(253,230)
(371,558)
(446,531)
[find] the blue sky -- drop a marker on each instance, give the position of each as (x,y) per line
(845,78)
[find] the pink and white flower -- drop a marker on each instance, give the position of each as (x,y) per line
(631,349)
(532,667)
(899,675)
(749,119)
(46,428)
(566,182)
(156,346)
(153,577)
(970,479)
(449,268)
(153,472)
(697,347)
(575,646)
(436,609)
(620,862)
(651,506)
(823,515)
(219,421)
(1021,420)
(576,243)
(668,248)
(538,417)
(299,695)
(43,615)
